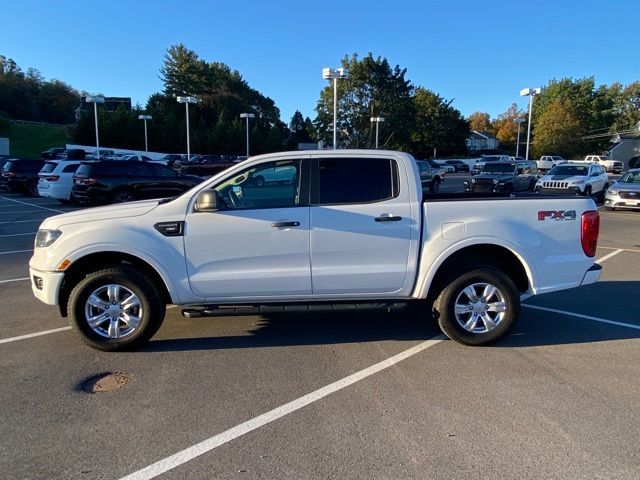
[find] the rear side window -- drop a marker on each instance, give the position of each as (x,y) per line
(357,180)
(70,168)
(49,167)
(85,170)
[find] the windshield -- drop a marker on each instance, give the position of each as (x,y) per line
(571,170)
(498,168)
(630,177)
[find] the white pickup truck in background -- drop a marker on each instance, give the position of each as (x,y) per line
(608,164)
(340,229)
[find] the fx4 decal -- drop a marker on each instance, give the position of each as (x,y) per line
(557,215)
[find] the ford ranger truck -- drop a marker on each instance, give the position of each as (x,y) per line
(342,229)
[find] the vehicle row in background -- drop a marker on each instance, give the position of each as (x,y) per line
(575,178)
(504,176)
(431,175)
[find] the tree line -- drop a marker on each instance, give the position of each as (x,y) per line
(571,117)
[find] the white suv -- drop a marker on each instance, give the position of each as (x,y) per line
(547,162)
(577,178)
(56,179)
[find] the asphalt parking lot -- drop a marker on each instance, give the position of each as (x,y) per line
(326,396)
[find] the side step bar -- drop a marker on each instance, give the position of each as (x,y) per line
(232,310)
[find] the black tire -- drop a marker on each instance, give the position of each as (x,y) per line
(508,188)
(122,196)
(602,194)
(435,185)
(532,185)
(32,188)
(444,309)
(587,191)
(151,301)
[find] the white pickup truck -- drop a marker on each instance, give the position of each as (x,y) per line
(350,229)
(608,164)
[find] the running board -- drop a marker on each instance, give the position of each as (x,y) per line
(232,310)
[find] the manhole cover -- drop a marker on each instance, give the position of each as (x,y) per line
(105,382)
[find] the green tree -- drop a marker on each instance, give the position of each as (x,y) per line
(558,130)
(372,89)
(437,125)
(480,122)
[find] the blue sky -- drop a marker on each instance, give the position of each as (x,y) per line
(478,53)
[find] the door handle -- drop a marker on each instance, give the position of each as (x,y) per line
(285,224)
(386,217)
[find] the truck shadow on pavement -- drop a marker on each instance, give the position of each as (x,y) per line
(535,328)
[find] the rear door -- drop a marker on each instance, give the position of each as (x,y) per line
(361,226)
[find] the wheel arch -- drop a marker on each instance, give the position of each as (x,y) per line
(92,261)
(492,252)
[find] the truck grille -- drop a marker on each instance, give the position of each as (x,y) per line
(631,195)
(483,183)
(562,185)
(617,164)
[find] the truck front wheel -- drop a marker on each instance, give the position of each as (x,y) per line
(116,308)
(479,307)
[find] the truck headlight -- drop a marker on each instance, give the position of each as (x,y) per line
(473,180)
(495,181)
(45,238)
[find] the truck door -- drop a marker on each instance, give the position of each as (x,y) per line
(257,243)
(361,226)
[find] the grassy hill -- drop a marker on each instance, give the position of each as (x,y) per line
(27,140)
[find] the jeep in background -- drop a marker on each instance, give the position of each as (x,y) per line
(504,177)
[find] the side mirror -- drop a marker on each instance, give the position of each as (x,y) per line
(207,201)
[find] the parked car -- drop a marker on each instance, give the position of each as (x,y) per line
(366,238)
(609,165)
(136,157)
(504,177)
(547,162)
(52,153)
(430,177)
(116,156)
(447,168)
(115,181)
(276,175)
(21,176)
(56,179)
(73,154)
(482,161)
(458,165)
(206,165)
(104,154)
(516,159)
(625,192)
(575,178)
(171,158)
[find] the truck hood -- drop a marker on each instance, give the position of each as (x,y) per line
(567,178)
(121,210)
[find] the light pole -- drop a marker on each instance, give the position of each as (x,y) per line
(247,116)
(518,121)
(95,99)
(334,74)
(529,92)
(145,118)
(377,121)
(187,101)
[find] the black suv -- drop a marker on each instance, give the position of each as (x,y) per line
(21,176)
(52,153)
(504,177)
(107,181)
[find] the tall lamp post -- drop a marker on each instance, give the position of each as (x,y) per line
(247,116)
(187,101)
(518,121)
(145,118)
(95,99)
(529,92)
(334,74)
(377,121)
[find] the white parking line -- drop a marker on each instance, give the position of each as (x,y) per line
(586,317)
(14,280)
(32,205)
(609,255)
(623,249)
(16,251)
(211,443)
(31,335)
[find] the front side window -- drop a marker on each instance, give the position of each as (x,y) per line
(267,185)
(356,180)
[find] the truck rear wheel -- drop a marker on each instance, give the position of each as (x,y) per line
(479,307)
(116,308)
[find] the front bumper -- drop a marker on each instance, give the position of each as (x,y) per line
(559,191)
(46,285)
(592,275)
(615,201)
